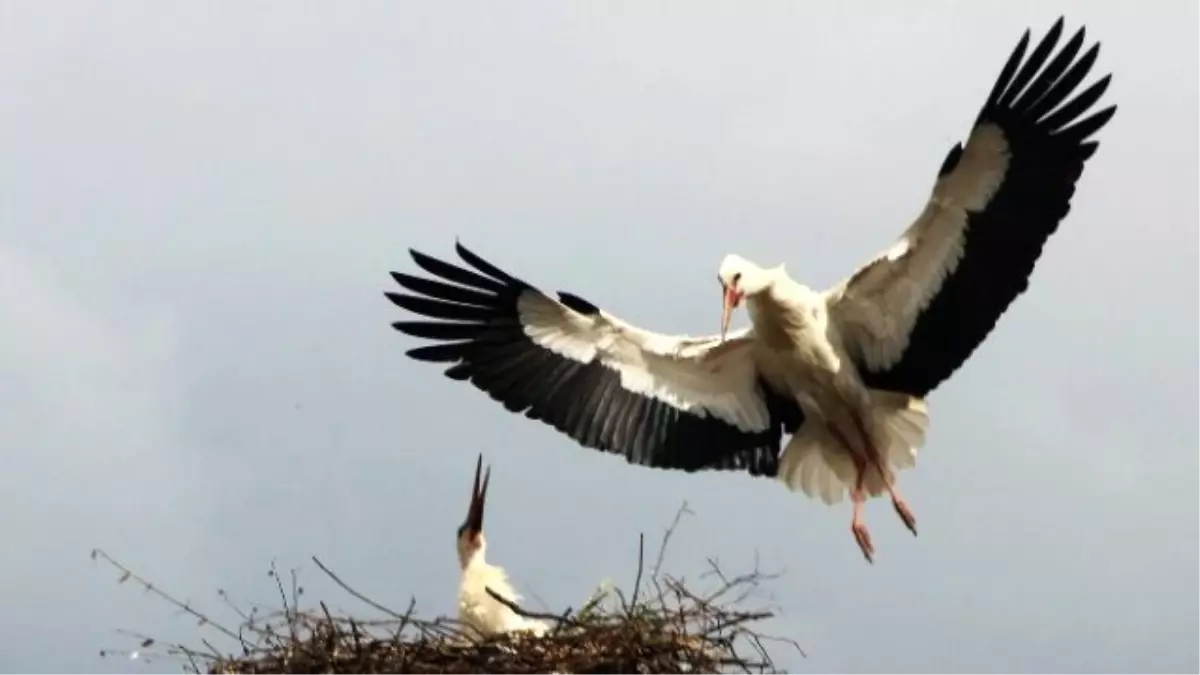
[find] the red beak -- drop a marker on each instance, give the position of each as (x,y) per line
(733,298)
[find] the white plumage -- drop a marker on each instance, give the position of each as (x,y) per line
(481,612)
(477,609)
(844,371)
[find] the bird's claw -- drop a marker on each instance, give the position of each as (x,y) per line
(906,514)
(863,537)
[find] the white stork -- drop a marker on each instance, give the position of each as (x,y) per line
(845,371)
(476,608)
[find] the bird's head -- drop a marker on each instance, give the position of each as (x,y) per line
(470,534)
(740,279)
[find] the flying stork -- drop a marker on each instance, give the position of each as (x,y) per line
(845,371)
(476,608)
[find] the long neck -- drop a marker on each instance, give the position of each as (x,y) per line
(479,575)
(472,558)
(780,311)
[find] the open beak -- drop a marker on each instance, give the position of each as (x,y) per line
(732,298)
(478,495)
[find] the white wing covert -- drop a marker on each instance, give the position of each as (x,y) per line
(915,313)
(662,401)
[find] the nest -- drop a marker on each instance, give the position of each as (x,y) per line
(661,626)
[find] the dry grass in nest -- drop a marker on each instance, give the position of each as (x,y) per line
(661,627)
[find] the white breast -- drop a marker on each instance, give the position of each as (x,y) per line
(480,611)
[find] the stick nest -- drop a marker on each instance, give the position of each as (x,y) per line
(662,626)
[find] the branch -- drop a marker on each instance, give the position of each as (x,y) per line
(127,574)
(662,549)
(673,630)
(337,580)
(637,580)
(559,618)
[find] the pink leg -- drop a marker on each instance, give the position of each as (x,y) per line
(905,513)
(898,503)
(857,525)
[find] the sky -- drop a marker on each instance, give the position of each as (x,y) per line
(200,204)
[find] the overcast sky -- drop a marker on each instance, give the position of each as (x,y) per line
(200,204)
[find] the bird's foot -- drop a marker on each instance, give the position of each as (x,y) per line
(863,537)
(906,514)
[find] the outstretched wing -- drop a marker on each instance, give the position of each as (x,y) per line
(914,314)
(661,401)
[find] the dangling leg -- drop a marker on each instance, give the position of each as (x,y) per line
(888,478)
(857,525)
(898,503)
(901,506)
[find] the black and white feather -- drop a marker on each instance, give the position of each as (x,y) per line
(915,313)
(863,355)
(663,401)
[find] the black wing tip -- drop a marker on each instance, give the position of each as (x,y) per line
(437,353)
(402,279)
(404,326)
(1101,85)
(457,246)
(406,302)
(459,373)
(421,258)
(1093,123)
(418,256)
(1051,38)
(1040,88)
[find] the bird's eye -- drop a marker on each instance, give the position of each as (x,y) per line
(737,277)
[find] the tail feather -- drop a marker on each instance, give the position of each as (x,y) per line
(900,423)
(815,463)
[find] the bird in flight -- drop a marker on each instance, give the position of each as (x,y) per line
(842,373)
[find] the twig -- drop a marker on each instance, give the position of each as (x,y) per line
(519,611)
(782,640)
(287,611)
(407,618)
(670,629)
(637,579)
(337,580)
(127,573)
(662,549)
